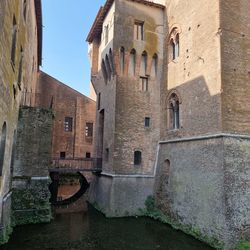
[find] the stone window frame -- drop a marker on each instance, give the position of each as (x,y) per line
(174,43)
(173,110)
(139,30)
(137,157)
(122,61)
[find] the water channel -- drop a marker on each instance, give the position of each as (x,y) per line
(90,230)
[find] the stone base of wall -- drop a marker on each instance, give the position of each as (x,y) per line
(6,223)
(119,196)
(30,200)
(203,184)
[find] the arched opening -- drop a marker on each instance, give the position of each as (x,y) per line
(104,71)
(144,62)
(154,65)
(2,146)
(108,67)
(174,44)
(122,60)
(132,62)
(111,61)
(137,158)
(174,112)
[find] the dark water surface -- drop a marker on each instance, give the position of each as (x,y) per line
(91,230)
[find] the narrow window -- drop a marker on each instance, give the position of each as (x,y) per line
(20,70)
(13,45)
(24,9)
(177,46)
(144,83)
(107,154)
(122,60)
(147,122)
(173,50)
(154,65)
(144,62)
(132,62)
(104,71)
(106,30)
(139,30)
(137,158)
(62,155)
(68,124)
(88,155)
(111,61)
(99,101)
(174,112)
(2,146)
(89,129)
(108,67)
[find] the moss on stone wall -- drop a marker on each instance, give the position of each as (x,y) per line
(152,212)
(30,202)
(243,245)
(5,234)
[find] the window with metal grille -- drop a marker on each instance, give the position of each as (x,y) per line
(89,129)
(68,124)
(137,157)
(147,122)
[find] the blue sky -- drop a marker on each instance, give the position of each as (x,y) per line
(66,25)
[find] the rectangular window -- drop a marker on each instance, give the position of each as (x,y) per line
(144,83)
(62,155)
(68,124)
(88,155)
(138,30)
(89,129)
(147,122)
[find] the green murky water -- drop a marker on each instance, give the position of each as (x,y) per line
(91,230)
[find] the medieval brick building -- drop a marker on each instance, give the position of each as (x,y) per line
(171,79)
(73,129)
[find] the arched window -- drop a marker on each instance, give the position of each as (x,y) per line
(122,60)
(132,62)
(108,67)
(137,158)
(174,112)
(104,71)
(154,65)
(174,44)
(2,146)
(144,62)
(111,61)
(13,45)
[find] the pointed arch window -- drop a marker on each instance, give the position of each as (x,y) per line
(108,67)
(111,61)
(104,71)
(144,62)
(132,62)
(13,44)
(154,65)
(174,44)
(174,112)
(2,146)
(122,60)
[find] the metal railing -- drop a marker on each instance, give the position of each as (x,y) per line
(94,164)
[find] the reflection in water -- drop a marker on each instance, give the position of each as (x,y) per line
(92,230)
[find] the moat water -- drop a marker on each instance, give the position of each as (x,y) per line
(90,230)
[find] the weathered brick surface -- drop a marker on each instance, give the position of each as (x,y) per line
(66,102)
(27,39)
